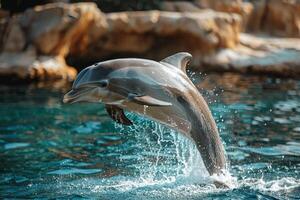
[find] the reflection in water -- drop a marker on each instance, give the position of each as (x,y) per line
(70,151)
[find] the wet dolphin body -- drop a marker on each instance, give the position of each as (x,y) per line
(159,90)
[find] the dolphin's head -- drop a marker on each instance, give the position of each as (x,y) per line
(91,85)
(115,83)
(87,93)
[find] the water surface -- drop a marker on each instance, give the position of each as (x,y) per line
(51,150)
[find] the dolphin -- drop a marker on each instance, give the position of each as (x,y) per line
(161,91)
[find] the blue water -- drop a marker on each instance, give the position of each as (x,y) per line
(51,150)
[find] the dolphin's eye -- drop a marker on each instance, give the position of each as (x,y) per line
(103,83)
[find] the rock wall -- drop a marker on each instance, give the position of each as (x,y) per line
(155,34)
(255,54)
(275,17)
(35,44)
(258,55)
(278,17)
(81,31)
(244,9)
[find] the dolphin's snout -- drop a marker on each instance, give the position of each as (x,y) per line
(71,95)
(80,94)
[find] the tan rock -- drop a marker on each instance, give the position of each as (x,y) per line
(54,28)
(179,6)
(221,5)
(3,14)
(28,66)
(91,26)
(82,32)
(270,56)
(14,39)
(48,67)
(256,17)
(229,6)
(276,17)
(156,34)
(282,18)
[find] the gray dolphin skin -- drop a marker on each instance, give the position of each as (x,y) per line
(161,91)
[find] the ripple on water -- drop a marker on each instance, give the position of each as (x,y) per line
(254,166)
(281,120)
(87,127)
(237,155)
(288,105)
(70,171)
(286,183)
(10,178)
(297,129)
(15,145)
(17,128)
(69,162)
(290,148)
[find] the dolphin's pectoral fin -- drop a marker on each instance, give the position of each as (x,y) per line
(147,100)
(117,114)
(179,60)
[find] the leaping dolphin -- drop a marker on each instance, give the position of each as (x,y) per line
(159,90)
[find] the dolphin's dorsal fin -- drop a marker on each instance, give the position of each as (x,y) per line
(179,60)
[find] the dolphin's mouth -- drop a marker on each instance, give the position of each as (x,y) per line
(78,95)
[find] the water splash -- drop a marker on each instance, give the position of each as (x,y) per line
(167,156)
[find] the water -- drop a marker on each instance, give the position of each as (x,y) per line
(50,150)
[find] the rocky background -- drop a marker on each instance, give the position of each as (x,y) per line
(56,39)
